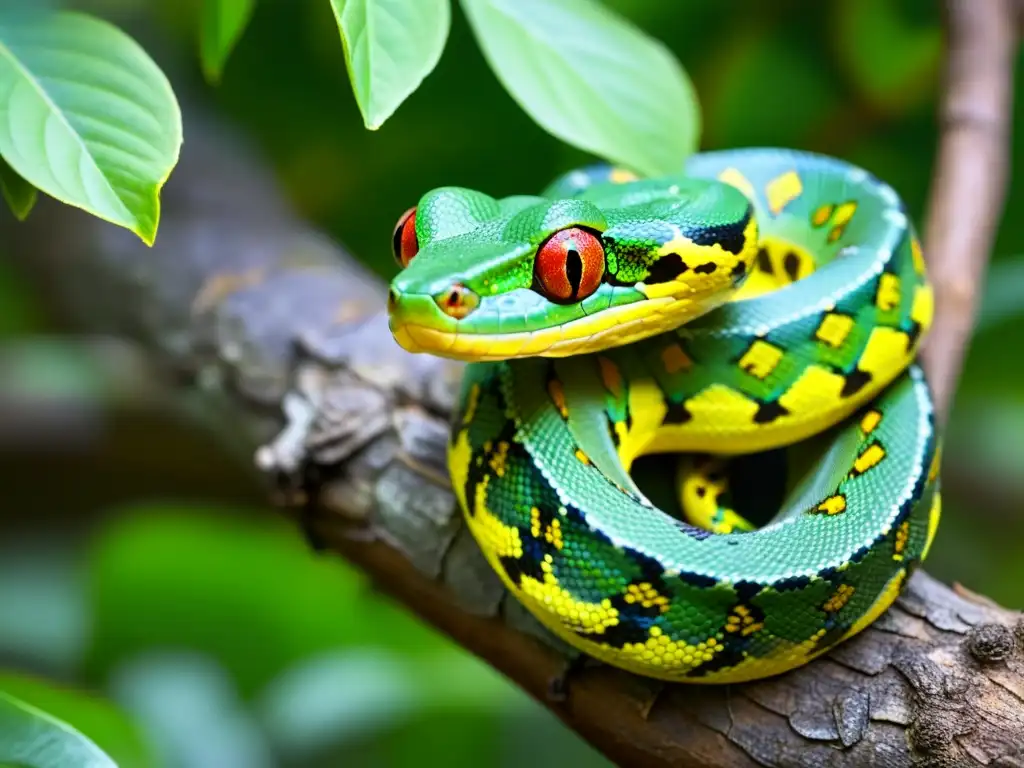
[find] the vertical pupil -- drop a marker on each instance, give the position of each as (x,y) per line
(573,269)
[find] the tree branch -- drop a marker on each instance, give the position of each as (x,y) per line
(283,339)
(970,177)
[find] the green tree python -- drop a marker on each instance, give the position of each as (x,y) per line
(756,317)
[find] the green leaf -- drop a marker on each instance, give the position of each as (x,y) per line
(592,79)
(221,27)
(94,720)
(390,46)
(19,194)
(87,117)
(31,738)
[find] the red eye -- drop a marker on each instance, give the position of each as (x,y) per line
(569,265)
(403,240)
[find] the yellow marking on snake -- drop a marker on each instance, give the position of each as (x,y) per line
(871,457)
(645,595)
(833,505)
(888,296)
(870,421)
(782,190)
(882,602)
(923,307)
(900,544)
(761,358)
(834,329)
(501,539)
(498,459)
(822,214)
(840,219)
(934,515)
(885,347)
(733,177)
(741,620)
(839,598)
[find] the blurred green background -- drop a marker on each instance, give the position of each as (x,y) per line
(228,643)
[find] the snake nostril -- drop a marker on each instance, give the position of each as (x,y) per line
(458,301)
(392,299)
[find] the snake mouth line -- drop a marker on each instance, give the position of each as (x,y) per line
(613,327)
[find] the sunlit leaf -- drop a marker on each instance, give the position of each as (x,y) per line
(390,46)
(19,194)
(591,78)
(87,117)
(94,720)
(32,738)
(221,27)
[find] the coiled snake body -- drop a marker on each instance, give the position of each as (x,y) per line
(757,314)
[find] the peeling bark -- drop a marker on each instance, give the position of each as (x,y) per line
(283,339)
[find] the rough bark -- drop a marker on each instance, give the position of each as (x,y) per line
(281,338)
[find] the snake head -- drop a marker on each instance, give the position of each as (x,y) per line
(494,279)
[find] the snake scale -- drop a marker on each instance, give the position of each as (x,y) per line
(751,323)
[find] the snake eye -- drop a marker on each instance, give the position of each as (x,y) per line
(403,239)
(569,265)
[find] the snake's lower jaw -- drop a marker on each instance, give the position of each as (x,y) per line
(405,340)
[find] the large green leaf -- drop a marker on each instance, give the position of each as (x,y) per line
(592,79)
(390,46)
(87,117)
(31,738)
(19,194)
(223,22)
(92,720)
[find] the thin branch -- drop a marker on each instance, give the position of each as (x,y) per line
(970,177)
(284,340)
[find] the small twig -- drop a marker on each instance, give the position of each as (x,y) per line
(970,177)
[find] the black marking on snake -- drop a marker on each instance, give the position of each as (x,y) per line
(629,631)
(698,580)
(747,590)
(729,236)
(527,565)
(913,334)
(633,610)
(791,583)
(666,269)
(854,382)
(676,413)
(573,270)
(738,272)
(764,261)
(480,467)
(694,532)
(769,411)
(791,263)
(705,269)
(650,569)
(733,653)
